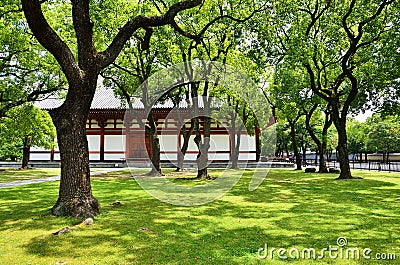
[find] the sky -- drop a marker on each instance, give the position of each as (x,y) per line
(363,116)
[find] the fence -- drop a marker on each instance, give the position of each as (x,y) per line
(377,165)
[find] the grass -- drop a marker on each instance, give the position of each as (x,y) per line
(290,209)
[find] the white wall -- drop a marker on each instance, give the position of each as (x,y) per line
(169,157)
(94,142)
(114,143)
(36,157)
(219,143)
(247,143)
(168,143)
(247,156)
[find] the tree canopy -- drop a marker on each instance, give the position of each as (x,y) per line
(26,126)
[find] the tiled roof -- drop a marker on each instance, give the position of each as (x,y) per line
(105,99)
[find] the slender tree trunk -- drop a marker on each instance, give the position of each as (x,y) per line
(155,153)
(236,148)
(304,158)
(182,152)
(324,142)
(294,145)
(75,194)
(155,146)
(321,143)
(235,137)
(186,137)
(25,153)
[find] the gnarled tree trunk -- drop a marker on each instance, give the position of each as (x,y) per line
(75,194)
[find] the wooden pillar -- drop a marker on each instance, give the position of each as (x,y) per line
(127,125)
(258,151)
(179,141)
(102,125)
(230,144)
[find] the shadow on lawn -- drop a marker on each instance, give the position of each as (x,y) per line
(364,211)
(288,209)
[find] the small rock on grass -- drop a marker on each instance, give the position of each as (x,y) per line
(88,221)
(145,229)
(116,202)
(61,231)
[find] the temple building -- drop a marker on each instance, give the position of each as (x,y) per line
(112,139)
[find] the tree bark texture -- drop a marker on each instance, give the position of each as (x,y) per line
(343,154)
(75,193)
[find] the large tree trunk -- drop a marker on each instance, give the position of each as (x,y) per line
(25,153)
(343,155)
(75,194)
(321,144)
(294,145)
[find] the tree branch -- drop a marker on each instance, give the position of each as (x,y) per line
(84,33)
(124,34)
(50,40)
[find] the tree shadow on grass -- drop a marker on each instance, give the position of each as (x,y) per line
(283,212)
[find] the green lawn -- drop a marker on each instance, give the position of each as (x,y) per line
(290,209)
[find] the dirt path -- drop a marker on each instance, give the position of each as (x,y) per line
(40,180)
